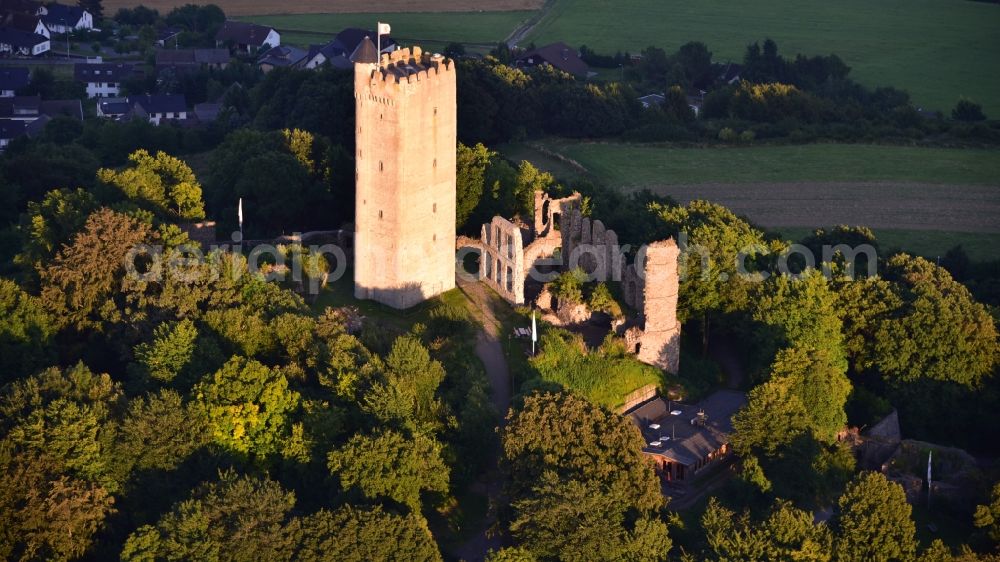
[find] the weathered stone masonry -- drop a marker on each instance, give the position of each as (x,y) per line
(406,135)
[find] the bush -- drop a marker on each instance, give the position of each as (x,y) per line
(727,135)
(967,110)
(604,376)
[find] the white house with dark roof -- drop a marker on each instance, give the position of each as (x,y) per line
(12,79)
(25,22)
(337,52)
(102,79)
(63,18)
(246,37)
(14,42)
(159,108)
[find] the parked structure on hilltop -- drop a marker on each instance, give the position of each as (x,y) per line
(406,116)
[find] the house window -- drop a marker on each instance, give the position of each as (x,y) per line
(380,168)
(434,208)
(380,215)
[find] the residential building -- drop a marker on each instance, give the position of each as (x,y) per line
(681,439)
(28,115)
(103,79)
(12,79)
(281,57)
(246,37)
(191,59)
(10,129)
(167,36)
(14,42)
(337,52)
(652,100)
(158,108)
(116,109)
(63,18)
(558,55)
(25,22)
(207,112)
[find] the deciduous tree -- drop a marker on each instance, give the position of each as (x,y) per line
(390,465)
(874,522)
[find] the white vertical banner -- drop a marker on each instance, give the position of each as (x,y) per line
(534,332)
(239,213)
(380,30)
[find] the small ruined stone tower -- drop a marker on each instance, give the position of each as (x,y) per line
(406,135)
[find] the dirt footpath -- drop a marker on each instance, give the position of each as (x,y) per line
(886,205)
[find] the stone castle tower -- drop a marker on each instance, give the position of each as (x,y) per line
(406,137)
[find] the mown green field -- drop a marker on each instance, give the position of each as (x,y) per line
(645,165)
(980,246)
(936,49)
(922,200)
(416,28)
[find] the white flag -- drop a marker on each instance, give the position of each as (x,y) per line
(534,328)
(383,29)
(239,212)
(929,455)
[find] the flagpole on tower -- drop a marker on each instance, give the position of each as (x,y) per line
(380,30)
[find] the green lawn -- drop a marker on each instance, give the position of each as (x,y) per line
(980,246)
(425,29)
(936,49)
(644,165)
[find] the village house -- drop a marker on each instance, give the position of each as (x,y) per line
(116,109)
(28,115)
(62,18)
(168,35)
(558,55)
(281,57)
(14,42)
(102,79)
(337,52)
(682,440)
(159,108)
(13,79)
(10,129)
(246,37)
(25,22)
(183,60)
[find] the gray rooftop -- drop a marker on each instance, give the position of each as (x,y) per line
(674,430)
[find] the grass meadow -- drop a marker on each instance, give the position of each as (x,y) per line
(647,165)
(938,50)
(921,200)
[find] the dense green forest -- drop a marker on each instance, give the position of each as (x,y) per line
(161,405)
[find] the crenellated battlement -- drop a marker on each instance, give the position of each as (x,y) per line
(411,65)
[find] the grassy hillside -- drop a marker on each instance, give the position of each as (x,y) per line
(922,200)
(421,28)
(937,49)
(650,165)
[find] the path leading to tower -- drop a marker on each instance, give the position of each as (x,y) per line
(488,347)
(490,352)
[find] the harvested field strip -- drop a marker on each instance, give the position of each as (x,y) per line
(889,187)
(259,7)
(462,27)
